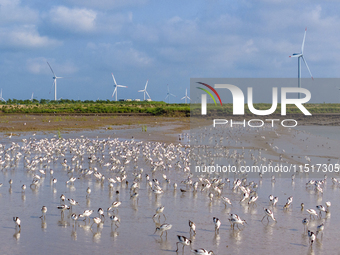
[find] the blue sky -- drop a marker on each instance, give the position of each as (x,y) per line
(166,42)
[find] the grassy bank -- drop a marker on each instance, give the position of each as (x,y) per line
(83,107)
(150,108)
(227,109)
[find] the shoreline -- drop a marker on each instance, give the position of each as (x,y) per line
(18,122)
(142,127)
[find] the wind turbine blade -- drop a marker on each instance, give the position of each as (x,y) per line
(121,86)
(141,90)
(307,67)
(303,42)
(166,96)
(146,84)
(168,87)
(114,91)
(173,95)
(114,79)
(52,87)
(183,97)
(295,55)
(50,68)
(147,94)
(189,98)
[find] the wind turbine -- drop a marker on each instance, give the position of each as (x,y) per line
(186,96)
(1,98)
(54,82)
(116,86)
(168,95)
(299,56)
(144,90)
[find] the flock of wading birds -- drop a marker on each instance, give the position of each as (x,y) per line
(160,157)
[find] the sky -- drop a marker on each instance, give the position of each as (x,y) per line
(165,42)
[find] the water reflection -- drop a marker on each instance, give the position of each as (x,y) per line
(74,235)
(16,235)
(43,224)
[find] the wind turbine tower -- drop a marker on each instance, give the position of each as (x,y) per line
(116,87)
(144,90)
(300,56)
(186,96)
(54,82)
(1,98)
(168,95)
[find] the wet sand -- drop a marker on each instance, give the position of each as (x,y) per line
(56,234)
(139,126)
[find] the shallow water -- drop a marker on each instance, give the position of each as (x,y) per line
(135,235)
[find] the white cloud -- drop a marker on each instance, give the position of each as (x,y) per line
(39,66)
(144,33)
(25,37)
(12,11)
(77,20)
(121,52)
(108,4)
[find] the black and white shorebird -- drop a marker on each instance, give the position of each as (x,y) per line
(43,210)
(163,228)
(88,191)
(312,237)
(305,223)
(71,180)
(202,251)
(235,219)
(74,217)
(226,201)
(114,206)
(275,200)
(159,211)
(101,213)
(253,199)
(319,229)
(268,213)
(17,222)
(184,241)
(62,198)
(86,214)
(114,220)
(312,212)
(96,220)
(321,209)
(217,223)
(192,226)
(72,202)
(62,208)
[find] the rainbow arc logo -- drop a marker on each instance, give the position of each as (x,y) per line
(209,93)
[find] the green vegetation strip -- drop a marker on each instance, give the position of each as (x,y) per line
(152,108)
(99,106)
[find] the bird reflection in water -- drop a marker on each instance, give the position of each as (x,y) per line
(16,235)
(217,239)
(74,234)
(114,233)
